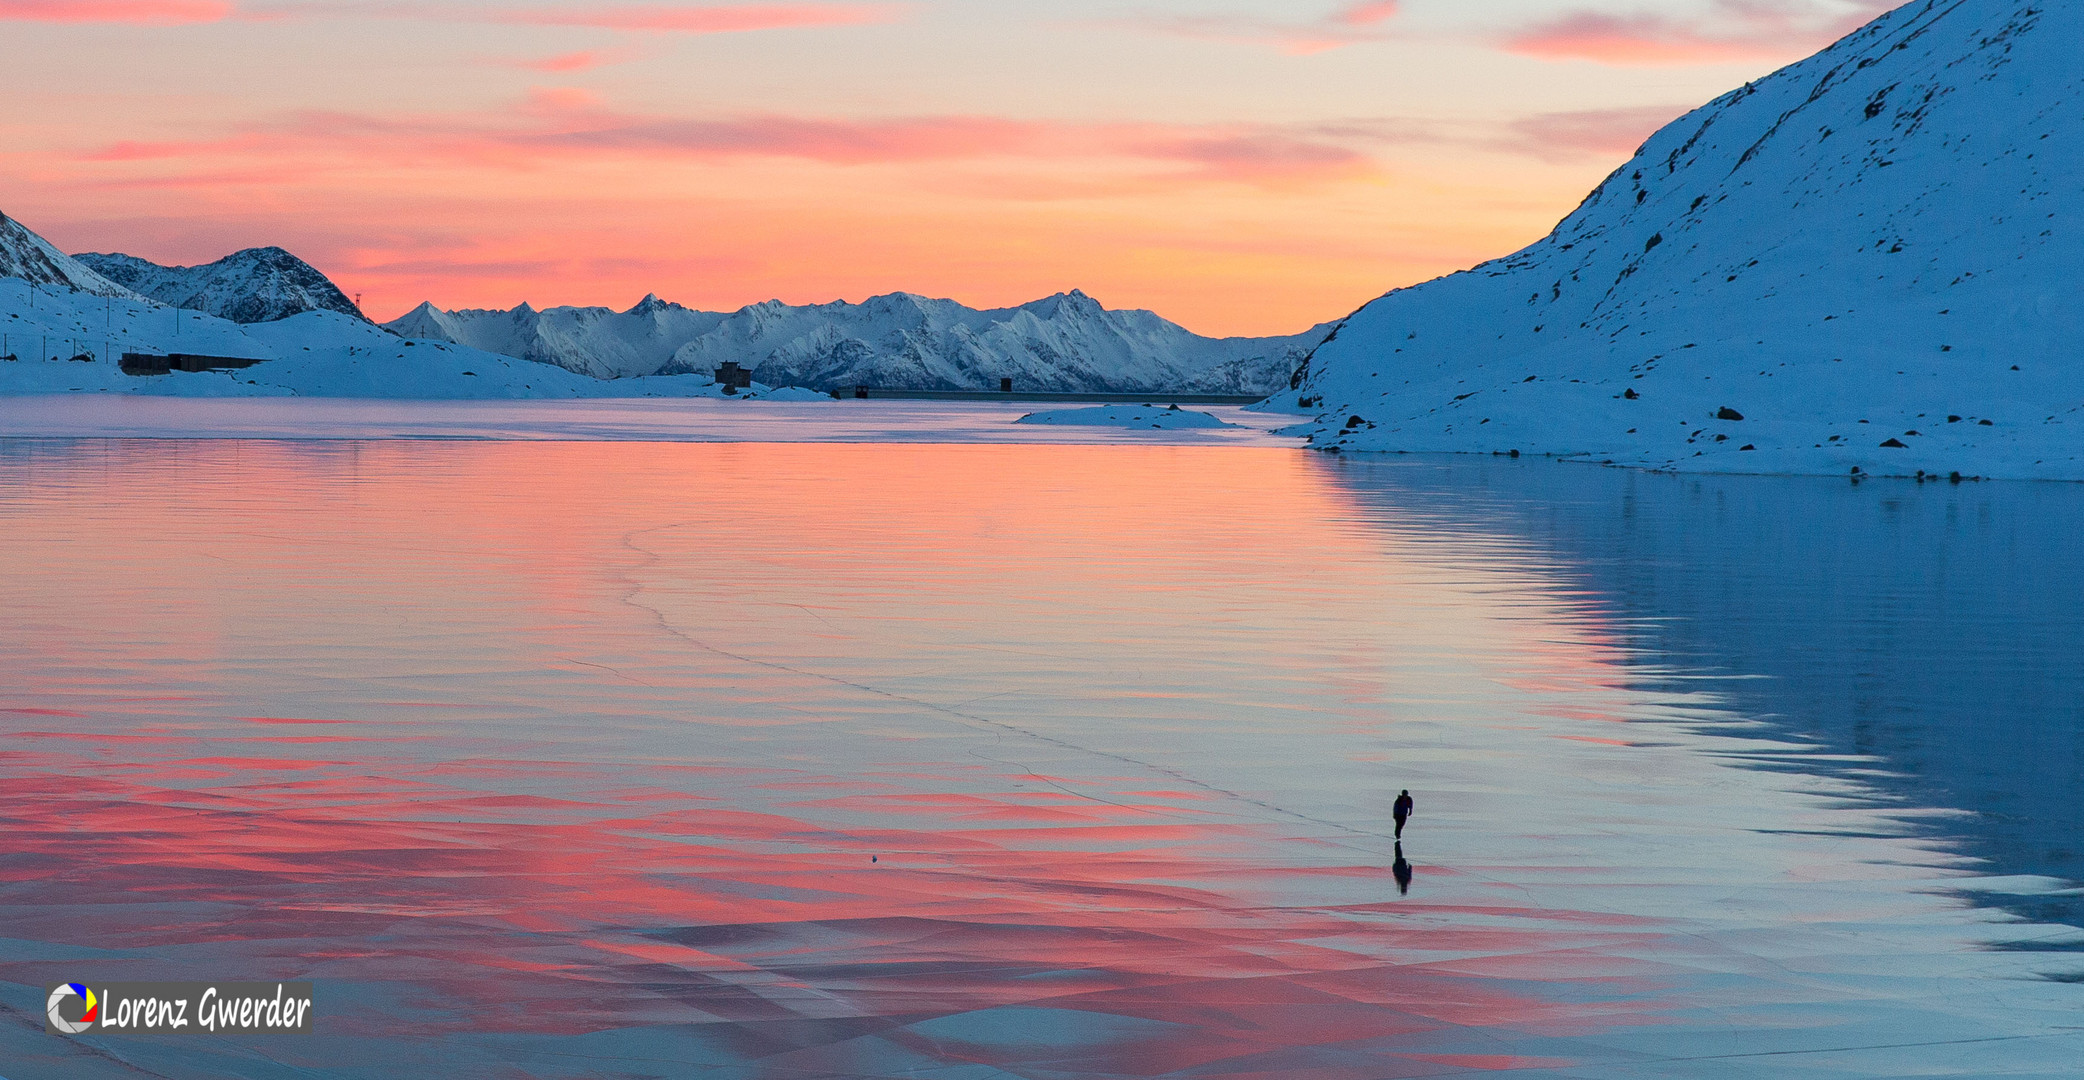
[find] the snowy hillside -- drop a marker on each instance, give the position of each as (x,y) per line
(252,286)
(28,257)
(1875,257)
(57,341)
(66,329)
(900,341)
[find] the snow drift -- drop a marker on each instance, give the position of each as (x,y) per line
(1869,260)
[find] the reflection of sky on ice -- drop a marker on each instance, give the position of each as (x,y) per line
(776,761)
(127,416)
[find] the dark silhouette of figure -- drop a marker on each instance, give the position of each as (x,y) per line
(1402,870)
(1401,811)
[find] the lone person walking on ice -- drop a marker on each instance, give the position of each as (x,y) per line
(1401,811)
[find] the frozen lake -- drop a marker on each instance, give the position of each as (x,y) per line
(125,416)
(915,758)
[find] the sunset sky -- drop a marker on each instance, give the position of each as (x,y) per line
(1240,166)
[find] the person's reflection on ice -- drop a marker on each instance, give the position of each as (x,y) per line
(1402,870)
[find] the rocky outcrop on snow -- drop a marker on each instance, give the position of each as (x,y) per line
(1067,342)
(252,286)
(31,258)
(1874,256)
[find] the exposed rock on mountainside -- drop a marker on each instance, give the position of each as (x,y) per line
(31,258)
(1874,256)
(252,286)
(1066,342)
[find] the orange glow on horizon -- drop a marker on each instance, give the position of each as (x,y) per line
(1249,174)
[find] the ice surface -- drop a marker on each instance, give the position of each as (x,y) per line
(587,759)
(776,416)
(1134,417)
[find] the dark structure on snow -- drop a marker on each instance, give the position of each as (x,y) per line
(733,378)
(149,364)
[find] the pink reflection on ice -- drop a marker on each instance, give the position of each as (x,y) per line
(989,923)
(508,752)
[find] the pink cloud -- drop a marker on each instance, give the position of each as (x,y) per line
(566,63)
(838,142)
(1263,157)
(637,18)
(131,12)
(1588,133)
(562,124)
(1732,31)
(1349,25)
(1372,13)
(1635,40)
(726,19)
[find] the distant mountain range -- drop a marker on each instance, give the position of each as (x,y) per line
(1067,342)
(252,286)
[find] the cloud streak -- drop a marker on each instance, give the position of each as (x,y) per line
(1355,23)
(653,18)
(726,19)
(1608,133)
(556,126)
(1730,31)
(582,60)
(123,12)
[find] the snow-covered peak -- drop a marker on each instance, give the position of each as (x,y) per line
(255,285)
(1850,253)
(651,304)
(898,340)
(1074,303)
(30,257)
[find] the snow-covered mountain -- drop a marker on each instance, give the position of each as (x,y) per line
(31,258)
(63,328)
(227,308)
(1875,257)
(57,340)
(252,286)
(596,341)
(900,341)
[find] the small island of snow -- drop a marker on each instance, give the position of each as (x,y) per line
(1163,418)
